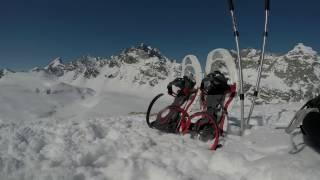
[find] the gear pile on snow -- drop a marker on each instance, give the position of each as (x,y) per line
(216,92)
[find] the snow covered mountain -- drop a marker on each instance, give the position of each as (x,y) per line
(4,72)
(293,76)
(141,65)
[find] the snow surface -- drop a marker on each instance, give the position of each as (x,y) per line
(78,133)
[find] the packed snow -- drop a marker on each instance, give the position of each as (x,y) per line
(56,131)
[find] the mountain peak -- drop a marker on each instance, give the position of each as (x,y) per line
(55,63)
(302,50)
(144,46)
(4,72)
(55,67)
(143,50)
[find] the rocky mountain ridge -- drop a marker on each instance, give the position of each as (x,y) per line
(293,76)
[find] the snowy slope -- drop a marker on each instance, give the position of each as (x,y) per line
(77,133)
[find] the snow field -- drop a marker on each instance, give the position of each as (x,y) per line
(124,148)
(80,134)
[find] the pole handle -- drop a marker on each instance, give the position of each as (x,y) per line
(267,5)
(231,6)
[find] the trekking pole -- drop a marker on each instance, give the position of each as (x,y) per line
(265,35)
(240,74)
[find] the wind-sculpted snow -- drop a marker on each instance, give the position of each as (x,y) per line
(62,136)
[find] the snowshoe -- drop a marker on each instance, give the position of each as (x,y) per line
(169,119)
(220,85)
(218,90)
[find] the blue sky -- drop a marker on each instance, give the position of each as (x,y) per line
(35,31)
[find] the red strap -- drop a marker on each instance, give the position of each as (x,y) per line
(186,91)
(233,88)
(185,125)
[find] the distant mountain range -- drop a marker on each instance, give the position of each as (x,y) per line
(293,76)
